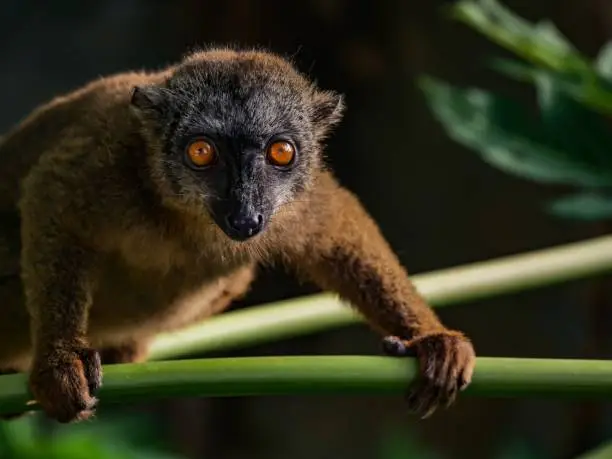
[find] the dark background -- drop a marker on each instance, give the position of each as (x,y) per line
(437,203)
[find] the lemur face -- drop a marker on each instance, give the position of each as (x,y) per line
(241,135)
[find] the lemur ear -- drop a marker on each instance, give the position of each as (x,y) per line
(328,109)
(152,99)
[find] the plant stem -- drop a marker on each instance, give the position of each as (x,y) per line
(441,288)
(327,375)
(603,451)
(354,374)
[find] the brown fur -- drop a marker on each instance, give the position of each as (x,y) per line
(107,261)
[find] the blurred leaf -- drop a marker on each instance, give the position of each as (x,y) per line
(545,47)
(502,132)
(594,92)
(603,62)
(118,438)
(518,450)
(571,126)
(519,70)
(540,43)
(397,444)
(583,206)
(17,437)
(547,33)
(135,430)
(133,437)
(570,142)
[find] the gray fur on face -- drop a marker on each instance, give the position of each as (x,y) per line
(240,101)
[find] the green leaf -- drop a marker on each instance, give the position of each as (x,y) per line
(571,126)
(519,70)
(518,449)
(541,43)
(545,48)
(584,206)
(134,432)
(502,133)
(603,62)
(547,33)
(18,436)
(594,92)
(503,16)
(396,444)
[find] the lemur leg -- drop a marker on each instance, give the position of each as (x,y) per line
(128,352)
(236,285)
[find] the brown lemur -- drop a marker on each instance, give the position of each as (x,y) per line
(144,201)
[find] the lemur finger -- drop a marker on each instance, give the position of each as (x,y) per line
(92,367)
(397,347)
(423,399)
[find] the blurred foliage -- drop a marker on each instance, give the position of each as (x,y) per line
(114,438)
(135,437)
(566,140)
(398,444)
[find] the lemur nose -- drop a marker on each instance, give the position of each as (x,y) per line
(245,226)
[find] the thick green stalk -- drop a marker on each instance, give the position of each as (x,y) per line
(445,287)
(345,375)
(603,451)
(326,375)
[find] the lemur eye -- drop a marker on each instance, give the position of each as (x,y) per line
(280,153)
(201,153)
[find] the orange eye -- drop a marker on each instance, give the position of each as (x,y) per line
(201,153)
(281,153)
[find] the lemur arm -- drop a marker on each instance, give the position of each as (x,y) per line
(340,248)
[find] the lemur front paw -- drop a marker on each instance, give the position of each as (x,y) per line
(64,380)
(446,363)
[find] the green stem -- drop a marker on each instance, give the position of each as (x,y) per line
(326,375)
(345,375)
(441,288)
(603,451)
